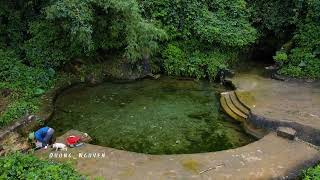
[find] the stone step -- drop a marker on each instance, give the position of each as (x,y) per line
(245,98)
(256,132)
(233,107)
(228,111)
(238,104)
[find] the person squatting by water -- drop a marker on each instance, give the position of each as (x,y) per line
(42,137)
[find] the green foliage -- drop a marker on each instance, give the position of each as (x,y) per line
(48,47)
(281,57)
(175,60)
(275,15)
(219,22)
(204,35)
(76,17)
(182,59)
(296,24)
(49,34)
(304,57)
(17,109)
(312,173)
(294,71)
(25,82)
(301,63)
(19,166)
(39,38)
(21,78)
(94,24)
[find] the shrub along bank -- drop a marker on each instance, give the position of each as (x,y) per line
(19,166)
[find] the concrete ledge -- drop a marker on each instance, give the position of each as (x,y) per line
(271,157)
(304,132)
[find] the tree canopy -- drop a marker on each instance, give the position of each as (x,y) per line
(192,38)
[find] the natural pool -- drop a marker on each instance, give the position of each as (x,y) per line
(164,116)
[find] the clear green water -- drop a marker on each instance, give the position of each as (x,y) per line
(163,116)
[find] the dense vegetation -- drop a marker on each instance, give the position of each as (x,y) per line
(296,25)
(19,166)
(192,38)
(311,173)
(203,35)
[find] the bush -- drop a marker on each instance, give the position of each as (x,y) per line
(21,78)
(25,82)
(20,166)
(281,57)
(312,173)
(203,35)
(185,59)
(218,22)
(16,110)
(175,60)
(299,63)
(290,70)
(303,59)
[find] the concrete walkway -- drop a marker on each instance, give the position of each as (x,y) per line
(282,103)
(292,101)
(269,158)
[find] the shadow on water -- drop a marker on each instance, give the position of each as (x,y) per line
(164,116)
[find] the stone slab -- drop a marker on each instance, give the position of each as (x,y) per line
(286,132)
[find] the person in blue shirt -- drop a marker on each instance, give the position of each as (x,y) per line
(43,135)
